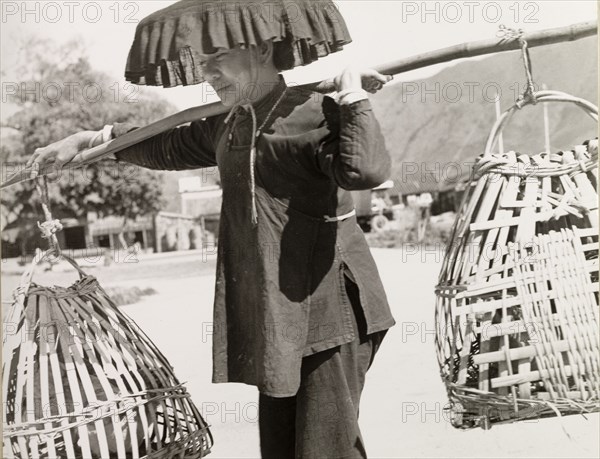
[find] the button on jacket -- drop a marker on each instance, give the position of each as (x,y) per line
(280,292)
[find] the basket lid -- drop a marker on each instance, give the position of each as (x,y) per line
(167,43)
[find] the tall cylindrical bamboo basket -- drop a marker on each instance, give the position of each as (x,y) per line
(517,297)
(80,379)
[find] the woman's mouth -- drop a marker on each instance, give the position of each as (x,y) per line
(222,88)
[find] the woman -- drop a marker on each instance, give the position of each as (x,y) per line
(299,307)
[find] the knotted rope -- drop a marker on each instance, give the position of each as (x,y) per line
(517,34)
(51,226)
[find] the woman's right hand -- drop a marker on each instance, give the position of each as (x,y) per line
(59,153)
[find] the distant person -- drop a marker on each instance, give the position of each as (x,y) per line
(108,256)
(424,202)
(378,205)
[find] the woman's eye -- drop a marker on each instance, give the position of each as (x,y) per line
(209,59)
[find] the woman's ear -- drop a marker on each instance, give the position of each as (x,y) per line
(265,53)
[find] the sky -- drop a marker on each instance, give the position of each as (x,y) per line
(382,31)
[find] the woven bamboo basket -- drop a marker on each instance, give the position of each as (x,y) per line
(517,296)
(81,380)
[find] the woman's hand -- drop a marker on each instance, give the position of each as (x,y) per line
(59,153)
(357,79)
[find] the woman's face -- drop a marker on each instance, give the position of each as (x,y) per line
(235,75)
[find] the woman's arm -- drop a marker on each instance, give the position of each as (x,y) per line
(354,153)
(185,147)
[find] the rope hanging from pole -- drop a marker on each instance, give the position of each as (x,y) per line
(461,51)
(528,96)
(51,226)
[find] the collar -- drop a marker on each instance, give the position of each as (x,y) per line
(263,106)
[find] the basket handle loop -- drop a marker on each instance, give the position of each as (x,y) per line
(37,259)
(539,96)
(73,263)
(48,230)
(20,293)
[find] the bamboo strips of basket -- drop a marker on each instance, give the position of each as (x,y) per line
(80,379)
(517,298)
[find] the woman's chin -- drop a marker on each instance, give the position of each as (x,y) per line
(228,99)
(227,102)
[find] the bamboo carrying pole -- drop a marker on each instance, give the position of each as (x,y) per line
(464,50)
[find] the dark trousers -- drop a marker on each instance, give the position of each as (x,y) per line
(321,420)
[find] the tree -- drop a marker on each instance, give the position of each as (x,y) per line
(57,97)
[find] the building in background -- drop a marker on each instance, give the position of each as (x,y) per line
(105,232)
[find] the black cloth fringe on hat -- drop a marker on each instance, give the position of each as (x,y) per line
(167,44)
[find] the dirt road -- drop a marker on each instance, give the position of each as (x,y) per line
(402,406)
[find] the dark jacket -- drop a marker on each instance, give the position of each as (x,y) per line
(280,284)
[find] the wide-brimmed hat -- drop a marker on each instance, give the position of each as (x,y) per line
(167,44)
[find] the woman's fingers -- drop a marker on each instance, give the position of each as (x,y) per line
(56,154)
(372,86)
(39,157)
(37,160)
(373,81)
(35,170)
(355,78)
(33,157)
(375,75)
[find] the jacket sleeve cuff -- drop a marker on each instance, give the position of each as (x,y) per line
(117,130)
(107,136)
(351,96)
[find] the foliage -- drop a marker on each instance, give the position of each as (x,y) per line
(55,97)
